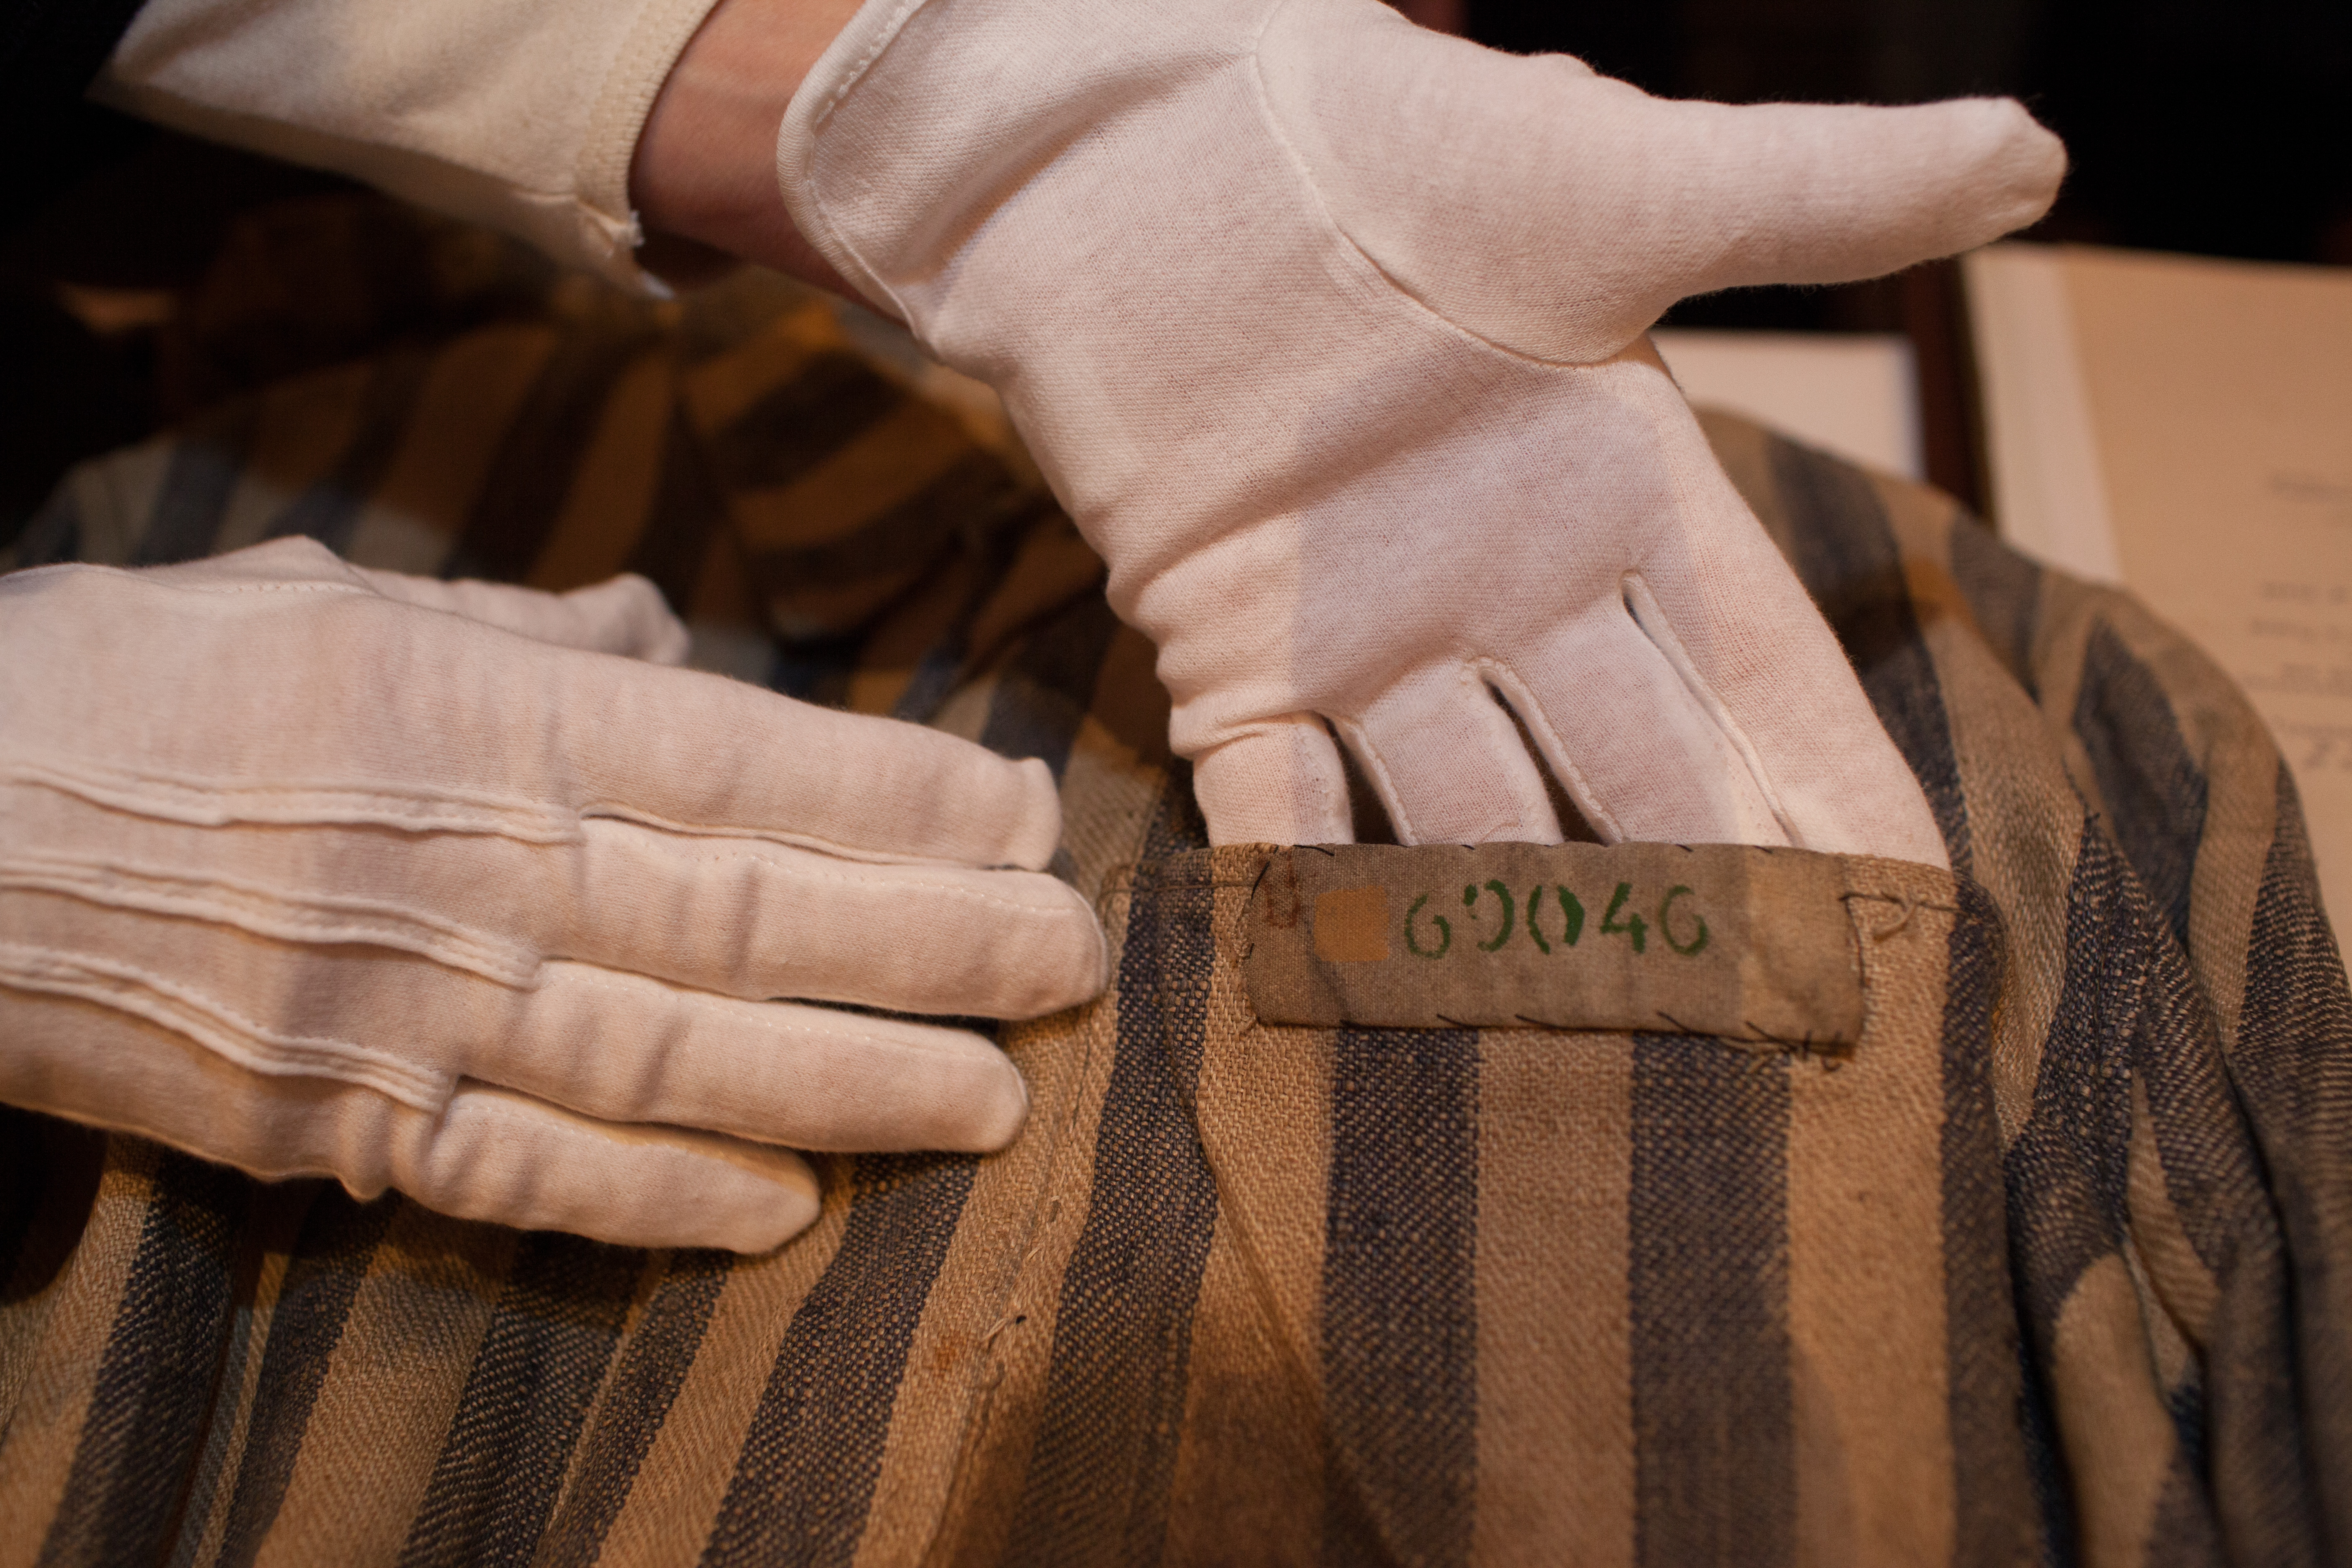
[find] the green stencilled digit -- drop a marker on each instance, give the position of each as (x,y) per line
(1667,904)
(1444,933)
(1470,896)
(1573,908)
(1635,926)
(1535,905)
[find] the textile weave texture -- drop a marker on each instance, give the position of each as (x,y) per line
(2056,1266)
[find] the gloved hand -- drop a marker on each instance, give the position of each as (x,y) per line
(313,869)
(1327,330)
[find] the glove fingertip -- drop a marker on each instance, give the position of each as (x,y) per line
(1281,782)
(765,1214)
(999,1114)
(628,615)
(1036,830)
(2026,158)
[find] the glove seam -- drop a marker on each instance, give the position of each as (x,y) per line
(796,149)
(1556,751)
(411,1085)
(781,838)
(605,979)
(850,79)
(952,889)
(1305,175)
(1383,781)
(1670,645)
(184,586)
(129,790)
(348,803)
(303,920)
(624,99)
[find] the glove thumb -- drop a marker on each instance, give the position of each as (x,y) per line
(1559,213)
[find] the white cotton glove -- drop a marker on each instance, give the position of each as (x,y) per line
(1327,332)
(523,115)
(313,869)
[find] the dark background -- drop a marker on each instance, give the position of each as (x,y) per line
(2219,127)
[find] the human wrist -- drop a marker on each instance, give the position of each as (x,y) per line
(705,169)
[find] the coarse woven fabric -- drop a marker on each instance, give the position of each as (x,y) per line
(2053,1266)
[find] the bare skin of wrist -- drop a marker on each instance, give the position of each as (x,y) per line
(704,177)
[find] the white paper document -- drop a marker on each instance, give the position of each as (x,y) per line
(2184,427)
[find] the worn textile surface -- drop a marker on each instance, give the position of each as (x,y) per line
(2054,1266)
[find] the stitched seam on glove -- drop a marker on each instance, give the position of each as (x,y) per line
(209,802)
(1650,617)
(69,568)
(276,912)
(1338,230)
(1384,782)
(594,978)
(604,811)
(888,31)
(796,144)
(350,588)
(1556,751)
(1054,909)
(223,1031)
(624,99)
(202,801)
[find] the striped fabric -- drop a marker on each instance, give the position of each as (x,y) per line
(2056,1266)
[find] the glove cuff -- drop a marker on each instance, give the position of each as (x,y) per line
(524,117)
